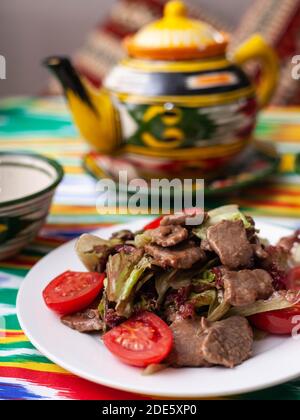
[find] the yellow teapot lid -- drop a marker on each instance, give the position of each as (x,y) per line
(176,37)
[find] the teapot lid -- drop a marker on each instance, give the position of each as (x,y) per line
(176,37)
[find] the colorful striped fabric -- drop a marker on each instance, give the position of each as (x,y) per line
(44,126)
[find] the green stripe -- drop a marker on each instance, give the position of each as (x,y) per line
(19,345)
(25,358)
(8,296)
(11,322)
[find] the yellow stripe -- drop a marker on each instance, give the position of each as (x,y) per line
(188,101)
(176,66)
(79,211)
(286,187)
(9,340)
(279,198)
(288,163)
(10,331)
(256,208)
(189,153)
(41,367)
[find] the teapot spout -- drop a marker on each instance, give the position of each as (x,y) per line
(68,77)
(92,110)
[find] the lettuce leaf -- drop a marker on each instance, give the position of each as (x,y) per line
(215,216)
(123,273)
(163,283)
(219,311)
(206,298)
(279,300)
(93,251)
(143,239)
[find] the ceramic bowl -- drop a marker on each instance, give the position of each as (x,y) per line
(27,184)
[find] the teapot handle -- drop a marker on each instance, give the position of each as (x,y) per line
(256,48)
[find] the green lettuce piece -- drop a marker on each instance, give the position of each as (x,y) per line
(143,239)
(94,251)
(207,278)
(163,283)
(206,298)
(102,307)
(134,277)
(145,304)
(123,273)
(119,268)
(176,279)
(279,300)
(219,308)
(215,216)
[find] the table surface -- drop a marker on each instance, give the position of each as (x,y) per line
(44,126)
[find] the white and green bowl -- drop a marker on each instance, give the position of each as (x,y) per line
(27,184)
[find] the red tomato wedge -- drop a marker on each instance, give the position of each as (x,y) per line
(280,322)
(72,291)
(283,321)
(293,279)
(142,340)
(154,224)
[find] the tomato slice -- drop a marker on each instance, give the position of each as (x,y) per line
(293,279)
(143,339)
(283,321)
(280,322)
(154,224)
(72,291)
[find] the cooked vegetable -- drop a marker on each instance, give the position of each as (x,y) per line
(219,312)
(142,239)
(141,341)
(94,251)
(230,212)
(124,303)
(123,273)
(279,300)
(163,283)
(206,298)
(72,291)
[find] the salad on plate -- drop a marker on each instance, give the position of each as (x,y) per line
(182,294)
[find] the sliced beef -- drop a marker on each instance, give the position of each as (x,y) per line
(202,344)
(228,342)
(112,319)
(229,241)
(124,235)
(198,215)
(85,321)
(259,251)
(187,345)
(277,264)
(277,258)
(246,286)
(288,242)
(184,255)
(169,235)
(205,245)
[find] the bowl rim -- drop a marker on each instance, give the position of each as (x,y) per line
(58,169)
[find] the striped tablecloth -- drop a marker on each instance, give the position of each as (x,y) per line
(44,126)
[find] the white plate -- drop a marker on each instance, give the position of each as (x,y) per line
(275,360)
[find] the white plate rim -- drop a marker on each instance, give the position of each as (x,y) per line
(131,388)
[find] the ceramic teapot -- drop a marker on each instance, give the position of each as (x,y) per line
(177,105)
